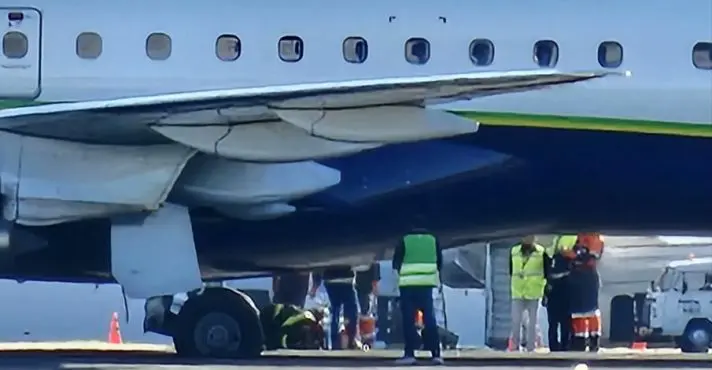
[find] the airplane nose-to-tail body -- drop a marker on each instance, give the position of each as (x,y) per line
(159,144)
(294,147)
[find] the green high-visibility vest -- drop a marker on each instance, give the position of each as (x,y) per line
(528,280)
(420,262)
(561,243)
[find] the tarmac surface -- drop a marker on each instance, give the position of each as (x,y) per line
(126,357)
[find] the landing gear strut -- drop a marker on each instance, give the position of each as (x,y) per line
(219,323)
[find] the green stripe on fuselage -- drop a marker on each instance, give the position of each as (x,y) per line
(589,123)
(5,104)
(541,121)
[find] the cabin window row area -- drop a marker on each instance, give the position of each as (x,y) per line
(291,49)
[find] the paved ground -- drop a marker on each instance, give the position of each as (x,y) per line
(287,360)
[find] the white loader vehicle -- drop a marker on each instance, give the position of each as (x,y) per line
(679,305)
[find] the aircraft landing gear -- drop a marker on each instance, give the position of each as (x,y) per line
(219,323)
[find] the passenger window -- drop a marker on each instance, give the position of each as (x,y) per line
(89,45)
(290,49)
(702,55)
(610,54)
(482,52)
(355,50)
(158,46)
(15,45)
(417,51)
(228,48)
(546,53)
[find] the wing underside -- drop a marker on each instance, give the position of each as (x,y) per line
(244,152)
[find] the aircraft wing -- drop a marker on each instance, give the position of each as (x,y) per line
(289,122)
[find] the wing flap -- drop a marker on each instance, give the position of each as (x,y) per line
(386,124)
(344,94)
(275,141)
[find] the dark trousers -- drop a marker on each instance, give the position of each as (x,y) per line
(291,289)
(364,300)
(559,324)
(342,295)
(412,299)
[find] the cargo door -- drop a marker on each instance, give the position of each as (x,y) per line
(20,56)
(500,323)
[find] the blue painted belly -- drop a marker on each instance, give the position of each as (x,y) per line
(500,182)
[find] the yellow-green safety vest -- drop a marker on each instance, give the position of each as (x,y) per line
(420,261)
(305,315)
(296,318)
(561,243)
(528,280)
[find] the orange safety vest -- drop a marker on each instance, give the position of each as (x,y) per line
(592,241)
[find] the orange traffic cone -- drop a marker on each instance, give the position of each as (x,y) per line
(510,344)
(114,331)
(640,346)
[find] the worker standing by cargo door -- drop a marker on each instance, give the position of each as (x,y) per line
(556,296)
(585,284)
(528,267)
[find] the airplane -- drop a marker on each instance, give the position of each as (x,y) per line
(159,146)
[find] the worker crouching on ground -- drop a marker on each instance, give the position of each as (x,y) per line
(339,285)
(528,267)
(584,283)
(418,261)
(556,294)
(290,327)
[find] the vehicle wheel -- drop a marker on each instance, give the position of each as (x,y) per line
(220,323)
(621,325)
(697,336)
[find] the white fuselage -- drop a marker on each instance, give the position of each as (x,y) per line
(657,40)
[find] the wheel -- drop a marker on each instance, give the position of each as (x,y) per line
(220,323)
(697,336)
(621,326)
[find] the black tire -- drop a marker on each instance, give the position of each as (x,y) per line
(697,336)
(220,323)
(621,325)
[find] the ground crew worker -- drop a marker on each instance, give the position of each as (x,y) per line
(584,283)
(556,294)
(528,267)
(339,285)
(303,331)
(366,284)
(367,278)
(290,327)
(418,261)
